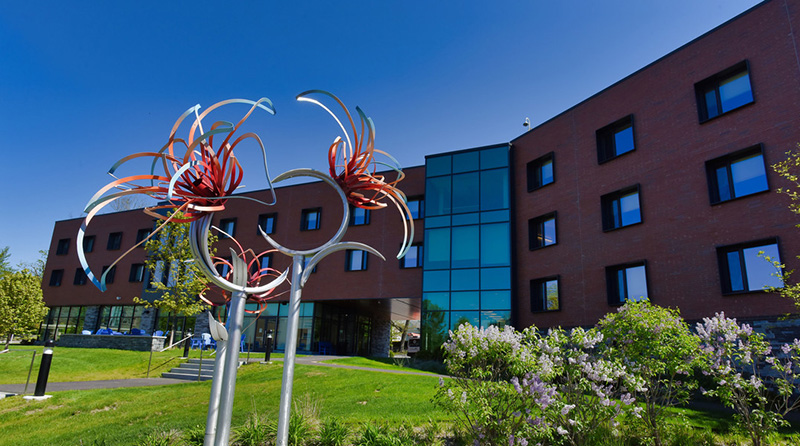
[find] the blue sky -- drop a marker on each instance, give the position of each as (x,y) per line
(83,84)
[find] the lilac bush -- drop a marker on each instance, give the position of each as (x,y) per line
(760,386)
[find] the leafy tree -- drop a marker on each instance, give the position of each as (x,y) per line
(37,266)
(5,266)
(176,280)
(21,305)
(789,170)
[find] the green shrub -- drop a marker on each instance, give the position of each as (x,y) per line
(255,432)
(195,436)
(377,436)
(333,433)
(164,438)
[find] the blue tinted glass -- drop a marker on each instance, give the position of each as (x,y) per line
(494,189)
(464,300)
(629,209)
(465,193)
(464,279)
(437,222)
(549,232)
(437,248)
(620,286)
(495,278)
(623,141)
(749,176)
(495,245)
(546,172)
(463,317)
(735,92)
(436,301)
(439,165)
(491,158)
(465,247)
(272,309)
(759,270)
(465,219)
(498,318)
(307,309)
(436,281)
(414,207)
(637,283)
(723,186)
(491,300)
(437,196)
(735,271)
(550,289)
(711,103)
(465,162)
(494,216)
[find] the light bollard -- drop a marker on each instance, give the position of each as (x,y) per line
(186,344)
(268,346)
(44,372)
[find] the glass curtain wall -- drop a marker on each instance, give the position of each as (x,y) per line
(467,258)
(60,320)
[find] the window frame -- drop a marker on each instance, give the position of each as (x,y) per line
(111,275)
(607,202)
(114,241)
(80,277)
(534,171)
(612,290)
(724,267)
(224,222)
(137,273)
(714,81)
(727,161)
(539,298)
(420,253)
(56,277)
(304,219)
(536,227)
(62,247)
(363,221)
(88,243)
(606,143)
(348,264)
(263,218)
(420,200)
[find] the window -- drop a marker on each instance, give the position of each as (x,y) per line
(267,223)
(227,227)
(540,172)
(63,247)
(724,91)
(737,175)
(358,216)
(56,276)
(621,208)
(356,260)
(137,273)
(80,277)
(615,139)
(743,269)
(305,264)
(417,207)
(111,274)
(626,282)
(544,295)
(142,234)
(223,268)
(413,257)
(542,231)
(265,261)
(310,219)
(88,243)
(114,241)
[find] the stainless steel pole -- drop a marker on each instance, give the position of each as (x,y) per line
(231,364)
(289,352)
(213,403)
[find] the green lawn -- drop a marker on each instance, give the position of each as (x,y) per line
(377,363)
(121,416)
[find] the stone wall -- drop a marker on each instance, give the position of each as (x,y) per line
(380,338)
(90,320)
(120,342)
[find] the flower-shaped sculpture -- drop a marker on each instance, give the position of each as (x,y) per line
(197,182)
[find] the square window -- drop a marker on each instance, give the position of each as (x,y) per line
(626,282)
(114,241)
(542,231)
(724,91)
(110,275)
(413,257)
(265,262)
(227,228)
(56,276)
(88,243)
(615,139)
(137,273)
(744,269)
(142,234)
(356,260)
(80,277)
(358,216)
(310,219)
(63,247)
(737,175)
(417,207)
(621,208)
(540,172)
(267,223)
(544,295)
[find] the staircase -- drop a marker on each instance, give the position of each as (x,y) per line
(189,370)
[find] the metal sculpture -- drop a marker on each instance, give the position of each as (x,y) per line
(199,184)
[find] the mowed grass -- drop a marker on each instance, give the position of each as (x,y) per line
(376,363)
(123,416)
(91,364)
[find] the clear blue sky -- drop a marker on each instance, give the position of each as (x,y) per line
(83,84)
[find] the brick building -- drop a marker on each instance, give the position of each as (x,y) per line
(656,186)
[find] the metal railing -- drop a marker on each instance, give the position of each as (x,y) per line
(30,368)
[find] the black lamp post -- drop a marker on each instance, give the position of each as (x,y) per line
(268,345)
